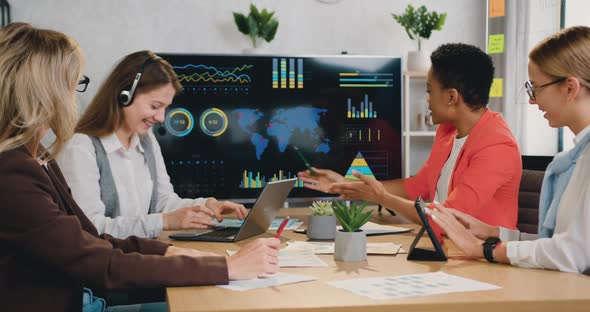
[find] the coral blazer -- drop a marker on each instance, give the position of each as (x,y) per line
(486,176)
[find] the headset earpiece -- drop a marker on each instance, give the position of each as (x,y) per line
(126,96)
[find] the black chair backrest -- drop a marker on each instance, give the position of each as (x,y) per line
(536,162)
(528,200)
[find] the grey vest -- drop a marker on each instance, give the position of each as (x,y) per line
(108,190)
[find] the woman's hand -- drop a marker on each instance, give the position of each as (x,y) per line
(456,231)
(220,207)
(479,229)
(367,189)
(254,259)
(195,217)
(322,179)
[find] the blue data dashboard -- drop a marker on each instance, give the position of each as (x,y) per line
(233,127)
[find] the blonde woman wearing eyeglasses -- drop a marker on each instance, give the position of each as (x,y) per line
(559,73)
(50,249)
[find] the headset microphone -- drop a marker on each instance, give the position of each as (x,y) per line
(161,129)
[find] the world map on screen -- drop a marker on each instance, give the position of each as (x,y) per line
(281,127)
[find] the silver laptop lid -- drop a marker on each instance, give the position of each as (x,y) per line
(266,208)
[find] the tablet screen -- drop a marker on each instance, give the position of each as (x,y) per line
(422,208)
(420,254)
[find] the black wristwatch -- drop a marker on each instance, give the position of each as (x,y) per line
(488,248)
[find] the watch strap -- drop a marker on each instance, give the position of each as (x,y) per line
(488,248)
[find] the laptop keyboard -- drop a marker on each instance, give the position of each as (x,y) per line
(225,232)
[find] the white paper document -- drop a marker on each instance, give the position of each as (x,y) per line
(383,248)
(296,259)
(372,228)
(319,248)
(299,259)
(394,287)
(270,280)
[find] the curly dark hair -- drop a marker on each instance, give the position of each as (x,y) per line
(466,68)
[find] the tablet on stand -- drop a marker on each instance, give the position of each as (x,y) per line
(421,254)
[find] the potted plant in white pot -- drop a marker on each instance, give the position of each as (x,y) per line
(351,242)
(419,25)
(322,222)
(258,24)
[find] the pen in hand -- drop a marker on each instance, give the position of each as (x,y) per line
(282,227)
(307,165)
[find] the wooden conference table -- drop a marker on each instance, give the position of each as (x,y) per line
(522,289)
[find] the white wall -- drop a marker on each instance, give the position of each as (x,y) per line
(538,138)
(576,13)
(109,29)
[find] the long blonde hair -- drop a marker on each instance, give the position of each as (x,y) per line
(104,114)
(39,70)
(565,54)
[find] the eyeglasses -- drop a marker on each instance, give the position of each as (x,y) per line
(83,84)
(531,90)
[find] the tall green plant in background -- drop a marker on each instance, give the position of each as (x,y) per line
(257,24)
(420,23)
(352,217)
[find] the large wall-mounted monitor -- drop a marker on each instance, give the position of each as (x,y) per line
(234,126)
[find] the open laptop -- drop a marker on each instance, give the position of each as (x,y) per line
(267,205)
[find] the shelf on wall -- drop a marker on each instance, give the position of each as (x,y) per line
(417,144)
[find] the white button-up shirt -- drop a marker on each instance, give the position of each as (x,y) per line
(567,250)
(132,180)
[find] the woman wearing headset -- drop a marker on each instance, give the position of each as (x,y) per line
(114,164)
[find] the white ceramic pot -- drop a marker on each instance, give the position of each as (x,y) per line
(350,246)
(418,61)
(321,227)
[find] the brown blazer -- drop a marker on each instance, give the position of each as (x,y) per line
(49,250)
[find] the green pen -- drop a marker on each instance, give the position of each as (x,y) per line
(304,160)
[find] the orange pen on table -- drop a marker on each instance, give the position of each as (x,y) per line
(282,227)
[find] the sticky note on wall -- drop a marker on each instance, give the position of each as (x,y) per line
(497,90)
(496,44)
(497,8)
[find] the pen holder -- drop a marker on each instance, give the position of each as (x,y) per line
(321,227)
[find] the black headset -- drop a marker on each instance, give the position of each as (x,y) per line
(126,96)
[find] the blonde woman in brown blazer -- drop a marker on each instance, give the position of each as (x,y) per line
(50,249)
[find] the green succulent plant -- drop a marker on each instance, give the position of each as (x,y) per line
(322,208)
(420,23)
(257,24)
(351,217)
